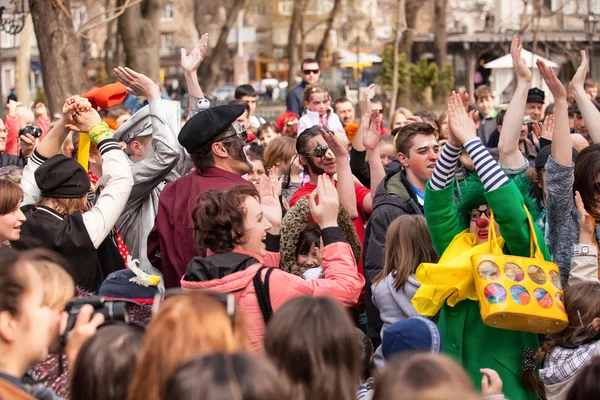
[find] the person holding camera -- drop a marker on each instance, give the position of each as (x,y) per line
(20,122)
(55,197)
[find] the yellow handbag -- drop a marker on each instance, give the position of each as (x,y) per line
(519,293)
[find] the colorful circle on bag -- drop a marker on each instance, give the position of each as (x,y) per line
(555,279)
(488,270)
(543,298)
(560,302)
(494,293)
(520,295)
(536,274)
(514,272)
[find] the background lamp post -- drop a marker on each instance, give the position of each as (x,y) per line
(590,24)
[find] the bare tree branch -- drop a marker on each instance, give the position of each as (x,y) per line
(105,18)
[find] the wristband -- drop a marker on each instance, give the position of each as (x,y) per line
(99,132)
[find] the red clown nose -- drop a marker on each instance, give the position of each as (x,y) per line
(482,222)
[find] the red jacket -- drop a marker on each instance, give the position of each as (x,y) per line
(12,125)
(341,280)
(171,244)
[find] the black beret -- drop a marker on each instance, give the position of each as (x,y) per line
(204,126)
(62,177)
(536,95)
(542,157)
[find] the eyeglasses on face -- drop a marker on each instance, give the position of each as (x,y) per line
(476,214)
(310,71)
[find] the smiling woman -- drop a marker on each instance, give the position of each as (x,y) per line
(11,217)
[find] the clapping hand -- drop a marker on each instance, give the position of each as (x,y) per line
(372,135)
(519,64)
(137,84)
(191,62)
(78,114)
(581,74)
(339,150)
(326,212)
(556,87)
(587,228)
(462,127)
(365,102)
(269,201)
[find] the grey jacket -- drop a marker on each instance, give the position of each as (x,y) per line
(394,305)
(150,176)
(563,217)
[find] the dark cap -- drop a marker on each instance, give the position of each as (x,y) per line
(62,177)
(203,127)
(542,157)
(536,95)
(575,109)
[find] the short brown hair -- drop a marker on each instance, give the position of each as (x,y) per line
(312,89)
(404,137)
(219,217)
(419,374)
(281,148)
(11,196)
(590,83)
(320,362)
(483,91)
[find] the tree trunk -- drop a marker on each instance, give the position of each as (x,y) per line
(110,44)
(295,27)
(59,47)
(400,29)
(406,44)
(138,27)
(211,67)
(23,62)
(441,39)
(330,21)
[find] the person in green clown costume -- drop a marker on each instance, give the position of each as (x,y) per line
(464,227)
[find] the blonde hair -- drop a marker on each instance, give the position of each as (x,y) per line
(404,111)
(281,148)
(312,89)
(407,244)
(59,287)
(186,326)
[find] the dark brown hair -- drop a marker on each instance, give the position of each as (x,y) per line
(407,244)
(416,374)
(586,385)
(267,125)
(237,376)
(219,217)
(320,362)
(106,363)
(11,196)
(66,207)
(587,167)
(404,138)
(582,304)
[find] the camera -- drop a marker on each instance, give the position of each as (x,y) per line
(32,130)
(113,311)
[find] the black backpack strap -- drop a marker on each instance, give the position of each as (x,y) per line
(262,293)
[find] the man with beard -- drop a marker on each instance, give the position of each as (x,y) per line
(215,141)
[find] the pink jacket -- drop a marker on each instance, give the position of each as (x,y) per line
(341,280)
(12,125)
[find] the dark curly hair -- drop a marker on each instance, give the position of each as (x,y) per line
(219,218)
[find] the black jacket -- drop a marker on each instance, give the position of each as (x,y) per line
(361,169)
(394,197)
(7,160)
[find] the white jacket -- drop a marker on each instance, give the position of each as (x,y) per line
(333,123)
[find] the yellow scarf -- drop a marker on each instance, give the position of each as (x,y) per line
(451,279)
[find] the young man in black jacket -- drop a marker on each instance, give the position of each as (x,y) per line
(401,192)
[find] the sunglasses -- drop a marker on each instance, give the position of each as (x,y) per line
(310,71)
(227,299)
(476,214)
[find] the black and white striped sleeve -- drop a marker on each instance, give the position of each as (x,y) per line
(443,173)
(487,168)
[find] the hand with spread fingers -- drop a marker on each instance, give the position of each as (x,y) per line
(461,124)
(191,62)
(556,87)
(519,64)
(579,77)
(137,84)
(270,203)
(326,212)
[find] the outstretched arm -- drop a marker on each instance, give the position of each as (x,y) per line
(590,113)
(508,146)
(189,64)
(561,140)
(371,143)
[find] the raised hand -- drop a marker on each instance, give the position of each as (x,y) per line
(371,136)
(581,74)
(326,212)
(137,84)
(556,87)
(464,96)
(519,64)
(587,228)
(339,150)
(40,109)
(462,127)
(365,103)
(191,62)
(270,202)
(12,107)
(72,109)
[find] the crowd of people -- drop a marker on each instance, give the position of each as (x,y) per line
(318,256)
